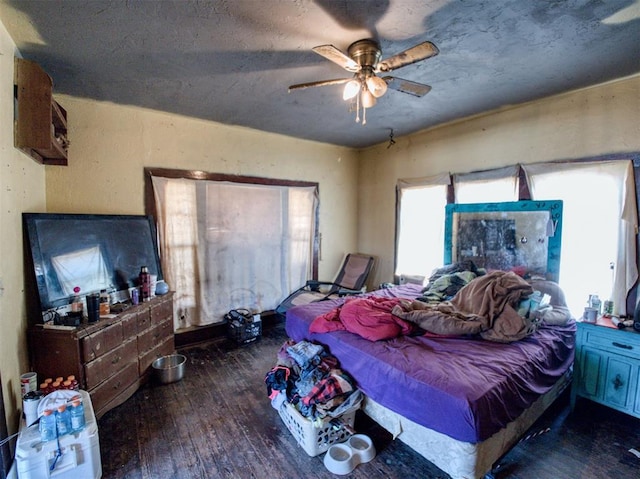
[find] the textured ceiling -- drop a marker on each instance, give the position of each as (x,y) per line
(231,61)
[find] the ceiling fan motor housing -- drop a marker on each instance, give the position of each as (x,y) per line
(365,53)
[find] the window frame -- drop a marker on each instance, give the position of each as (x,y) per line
(150,206)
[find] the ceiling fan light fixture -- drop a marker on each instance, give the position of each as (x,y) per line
(377,86)
(351,89)
(368,99)
(363,60)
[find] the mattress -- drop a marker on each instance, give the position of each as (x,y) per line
(468,389)
(463,460)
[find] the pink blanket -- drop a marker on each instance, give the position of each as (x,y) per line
(369,317)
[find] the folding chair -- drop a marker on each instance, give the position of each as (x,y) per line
(351,279)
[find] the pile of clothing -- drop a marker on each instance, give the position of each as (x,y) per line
(444,283)
(499,306)
(310,378)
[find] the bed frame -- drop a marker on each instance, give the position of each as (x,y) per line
(457,457)
(463,460)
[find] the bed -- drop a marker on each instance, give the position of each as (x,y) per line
(460,402)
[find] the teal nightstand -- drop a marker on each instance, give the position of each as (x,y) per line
(607,366)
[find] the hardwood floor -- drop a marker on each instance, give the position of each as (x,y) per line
(218,423)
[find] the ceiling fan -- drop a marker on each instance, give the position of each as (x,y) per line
(363,60)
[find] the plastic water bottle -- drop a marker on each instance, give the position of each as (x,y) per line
(77,414)
(47,426)
(63,421)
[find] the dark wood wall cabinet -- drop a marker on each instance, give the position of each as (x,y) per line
(110,358)
(40,128)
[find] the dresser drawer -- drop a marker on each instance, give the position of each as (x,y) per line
(111,363)
(162,311)
(155,335)
(144,320)
(101,342)
(115,385)
(129,321)
(163,349)
(620,342)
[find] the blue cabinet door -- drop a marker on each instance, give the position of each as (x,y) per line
(592,364)
(617,382)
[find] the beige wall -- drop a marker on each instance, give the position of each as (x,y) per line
(21,189)
(110,145)
(590,122)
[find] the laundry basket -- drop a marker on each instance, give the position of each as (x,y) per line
(313,438)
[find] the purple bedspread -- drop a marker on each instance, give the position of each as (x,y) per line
(466,388)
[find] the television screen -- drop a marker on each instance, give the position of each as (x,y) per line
(86,252)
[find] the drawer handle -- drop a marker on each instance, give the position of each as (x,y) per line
(116,360)
(623,346)
(117,385)
(617,382)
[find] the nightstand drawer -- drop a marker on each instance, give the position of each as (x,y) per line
(620,342)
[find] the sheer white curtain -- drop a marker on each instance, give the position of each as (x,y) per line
(598,227)
(420,225)
(231,245)
(487,186)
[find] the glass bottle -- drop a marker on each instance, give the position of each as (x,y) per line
(76,301)
(105,306)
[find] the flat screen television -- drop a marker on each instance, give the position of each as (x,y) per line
(86,251)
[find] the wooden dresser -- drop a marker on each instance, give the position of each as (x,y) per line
(110,358)
(607,366)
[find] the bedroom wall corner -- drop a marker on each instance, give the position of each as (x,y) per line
(593,121)
(22,188)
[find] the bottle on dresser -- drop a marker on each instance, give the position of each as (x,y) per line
(145,284)
(105,303)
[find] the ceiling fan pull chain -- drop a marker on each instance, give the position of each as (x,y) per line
(364,116)
(358,108)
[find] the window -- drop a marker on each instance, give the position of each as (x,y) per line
(599,221)
(487,186)
(421,213)
(420,225)
(227,245)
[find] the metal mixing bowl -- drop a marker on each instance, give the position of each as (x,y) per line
(169,369)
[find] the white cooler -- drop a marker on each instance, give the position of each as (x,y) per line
(79,452)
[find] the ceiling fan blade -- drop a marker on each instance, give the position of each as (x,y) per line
(407,86)
(412,55)
(336,56)
(337,81)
